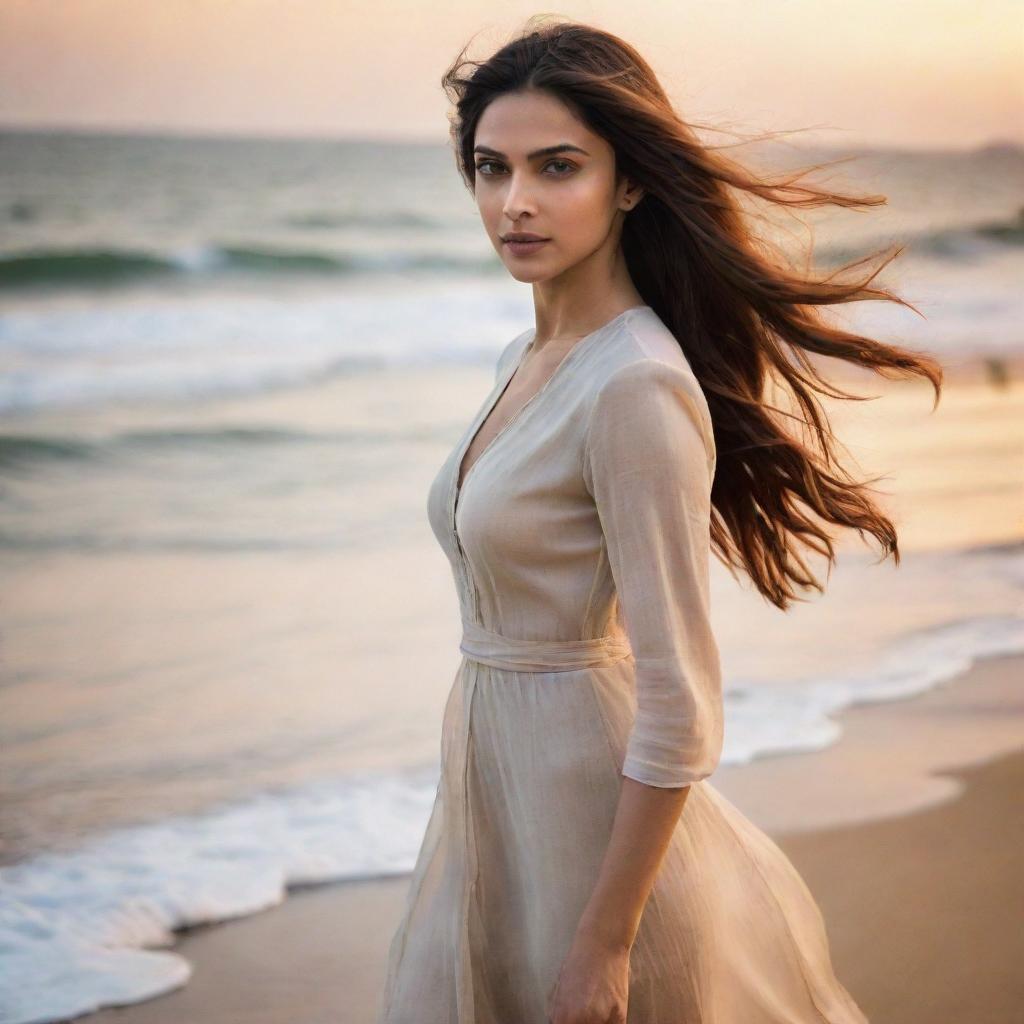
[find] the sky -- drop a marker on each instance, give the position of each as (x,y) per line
(913,73)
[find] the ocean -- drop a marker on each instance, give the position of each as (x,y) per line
(230,369)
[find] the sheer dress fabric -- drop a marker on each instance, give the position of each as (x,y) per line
(579,547)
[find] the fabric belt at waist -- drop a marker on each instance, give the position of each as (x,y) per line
(480,644)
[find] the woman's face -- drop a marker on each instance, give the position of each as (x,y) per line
(567,194)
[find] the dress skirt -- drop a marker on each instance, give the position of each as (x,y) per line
(533,738)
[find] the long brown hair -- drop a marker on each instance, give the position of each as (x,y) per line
(747,322)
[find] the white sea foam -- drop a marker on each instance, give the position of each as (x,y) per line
(178,348)
(173,348)
(76,928)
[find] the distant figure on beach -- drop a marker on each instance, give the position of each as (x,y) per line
(578,866)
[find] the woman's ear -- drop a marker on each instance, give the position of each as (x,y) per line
(632,194)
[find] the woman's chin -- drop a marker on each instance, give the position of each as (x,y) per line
(527,274)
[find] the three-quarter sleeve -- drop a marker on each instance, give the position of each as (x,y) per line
(649,464)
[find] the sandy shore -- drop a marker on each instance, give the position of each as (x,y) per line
(921,908)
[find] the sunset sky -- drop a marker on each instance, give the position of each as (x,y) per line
(914,73)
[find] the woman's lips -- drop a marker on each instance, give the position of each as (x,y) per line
(525,248)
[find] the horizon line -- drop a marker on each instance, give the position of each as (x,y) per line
(441,139)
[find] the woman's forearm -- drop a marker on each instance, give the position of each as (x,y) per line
(644,821)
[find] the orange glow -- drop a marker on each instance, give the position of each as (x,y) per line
(940,72)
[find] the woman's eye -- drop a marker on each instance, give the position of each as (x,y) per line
(551,163)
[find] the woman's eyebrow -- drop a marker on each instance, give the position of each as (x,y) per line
(546,151)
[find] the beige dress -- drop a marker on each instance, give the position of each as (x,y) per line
(579,543)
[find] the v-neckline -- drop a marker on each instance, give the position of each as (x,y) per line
(495,397)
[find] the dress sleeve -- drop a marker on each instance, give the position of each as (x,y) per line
(649,463)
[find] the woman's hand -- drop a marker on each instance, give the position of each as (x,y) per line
(593,984)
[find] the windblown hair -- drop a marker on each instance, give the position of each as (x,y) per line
(746,319)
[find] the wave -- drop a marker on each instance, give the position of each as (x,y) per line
(100,266)
(19,451)
(23,451)
(42,387)
(956,243)
(89,916)
(332,220)
(97,266)
(64,266)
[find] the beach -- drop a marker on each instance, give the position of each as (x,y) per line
(228,632)
(921,908)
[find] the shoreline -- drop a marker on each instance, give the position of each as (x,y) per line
(944,869)
(884,764)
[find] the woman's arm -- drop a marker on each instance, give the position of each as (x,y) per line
(593,983)
(649,465)
(644,822)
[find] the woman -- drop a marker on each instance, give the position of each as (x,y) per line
(577,865)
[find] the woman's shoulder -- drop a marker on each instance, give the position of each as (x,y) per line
(644,338)
(646,362)
(511,352)
(646,354)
